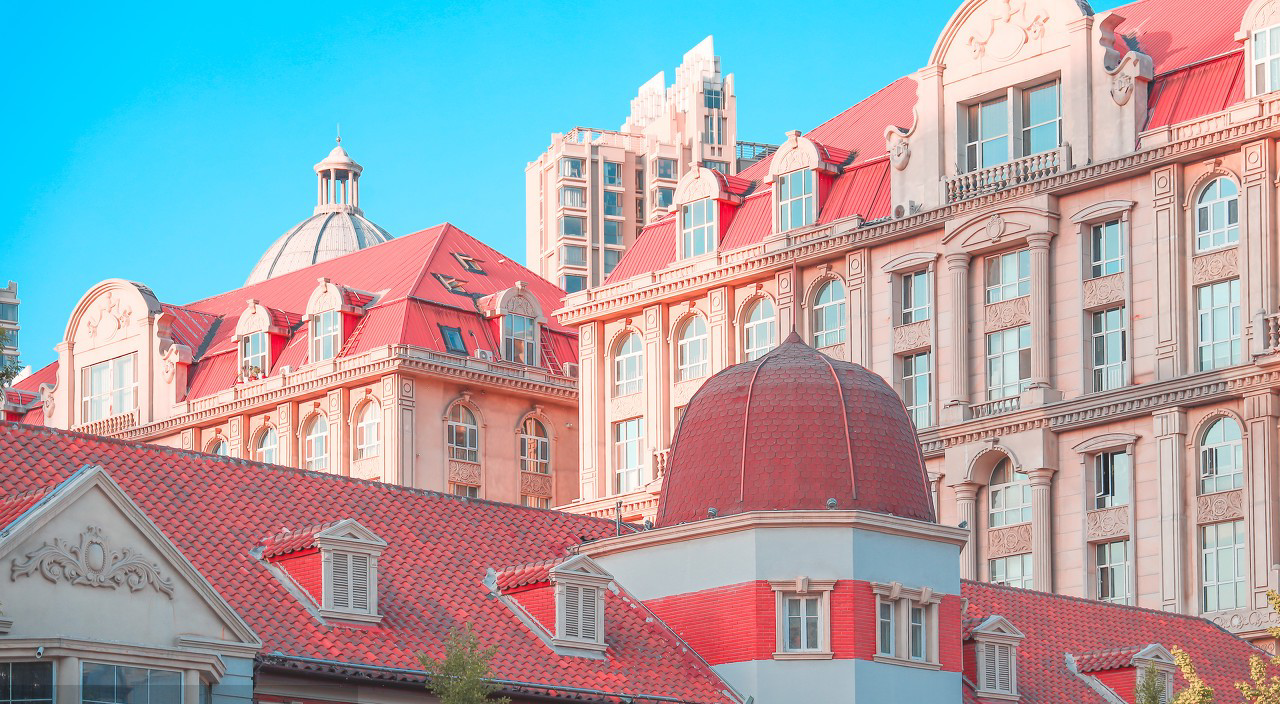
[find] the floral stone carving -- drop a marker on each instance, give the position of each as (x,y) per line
(1103,290)
(464,472)
(1010,540)
(1008,314)
(1222,506)
(912,336)
(93,564)
(1107,523)
(1222,264)
(534,484)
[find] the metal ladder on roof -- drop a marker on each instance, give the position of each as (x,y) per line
(550,361)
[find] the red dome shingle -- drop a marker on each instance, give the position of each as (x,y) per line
(790,431)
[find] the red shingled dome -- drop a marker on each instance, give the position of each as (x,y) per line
(790,431)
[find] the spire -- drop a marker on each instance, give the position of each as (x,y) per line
(338,181)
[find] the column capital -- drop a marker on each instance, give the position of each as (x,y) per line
(958,260)
(1041,476)
(967,491)
(1170,421)
(1039,240)
(1261,404)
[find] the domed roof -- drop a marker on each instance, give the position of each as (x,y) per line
(319,238)
(790,431)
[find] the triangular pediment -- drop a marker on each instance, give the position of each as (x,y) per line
(581,565)
(997,626)
(350,531)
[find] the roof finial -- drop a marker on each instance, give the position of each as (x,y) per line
(339,132)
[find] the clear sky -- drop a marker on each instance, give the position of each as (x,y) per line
(171,143)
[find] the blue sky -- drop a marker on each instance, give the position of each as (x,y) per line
(171,144)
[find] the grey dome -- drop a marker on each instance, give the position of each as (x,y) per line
(319,238)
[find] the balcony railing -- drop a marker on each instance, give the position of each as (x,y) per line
(1269,333)
(994,408)
(1001,176)
(110,424)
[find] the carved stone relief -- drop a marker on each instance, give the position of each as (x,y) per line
(899,147)
(914,336)
(1247,620)
(627,406)
(1008,314)
(464,472)
(108,320)
(92,564)
(1008,26)
(1009,540)
(1222,506)
(1107,523)
(534,484)
(1121,87)
(519,305)
(1104,290)
(1215,266)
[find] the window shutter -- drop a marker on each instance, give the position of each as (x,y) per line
(1166,686)
(589,627)
(1004,667)
(360,582)
(572,611)
(340,580)
(989,666)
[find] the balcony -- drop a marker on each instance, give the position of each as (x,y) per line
(994,408)
(1006,175)
(110,424)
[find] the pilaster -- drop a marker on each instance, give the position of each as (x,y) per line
(719,329)
(287,450)
(1262,411)
(1171,438)
(785,281)
(857,305)
(967,512)
(336,410)
(1042,527)
(656,386)
(591,416)
(1258,250)
(958,312)
(1166,184)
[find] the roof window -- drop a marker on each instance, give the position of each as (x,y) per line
(580,592)
(471,264)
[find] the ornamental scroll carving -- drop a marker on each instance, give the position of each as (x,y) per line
(1107,523)
(1215,266)
(1008,27)
(912,336)
(627,406)
(110,318)
(1241,620)
(92,564)
(534,484)
(464,472)
(1104,290)
(1222,506)
(1010,540)
(1008,314)
(898,146)
(1121,87)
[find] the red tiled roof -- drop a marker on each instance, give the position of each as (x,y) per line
(790,431)
(862,190)
(217,510)
(17,504)
(47,374)
(1176,33)
(653,250)
(1108,659)
(286,542)
(1056,625)
(524,575)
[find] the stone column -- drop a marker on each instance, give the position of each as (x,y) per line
(592,439)
(958,311)
(67,680)
(1042,528)
(1170,271)
(1257,254)
(1041,293)
(786,282)
(1261,415)
(398,431)
(656,386)
(1171,442)
(967,511)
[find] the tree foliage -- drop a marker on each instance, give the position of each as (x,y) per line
(461,676)
(1263,688)
(9,368)
(1150,686)
(1197,692)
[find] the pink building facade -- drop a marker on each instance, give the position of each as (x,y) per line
(1057,239)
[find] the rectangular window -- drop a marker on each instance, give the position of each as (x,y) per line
(1008,362)
(572,283)
(467,490)
(803,623)
(110,388)
(612,174)
(1008,275)
(1110,349)
(573,226)
(887,630)
(26,683)
(1012,571)
(9,312)
(117,684)
(1266,60)
(713,128)
(1218,316)
(613,232)
(1222,566)
(917,635)
(1041,118)
(611,259)
(1106,249)
(640,209)
(698,227)
(573,255)
(917,388)
(519,339)
(453,341)
(573,197)
(915,297)
(640,179)
(665,168)
(326,335)
(613,203)
(663,196)
(570,167)
(712,95)
(628,437)
(721,166)
(795,200)
(535,501)
(1111,477)
(253,354)
(987,142)
(1111,562)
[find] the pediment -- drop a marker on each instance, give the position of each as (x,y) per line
(985,33)
(87,563)
(109,312)
(1001,228)
(350,531)
(580,566)
(997,626)
(1155,653)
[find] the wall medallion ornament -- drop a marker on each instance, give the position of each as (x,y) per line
(1008,27)
(1121,87)
(996,227)
(899,147)
(92,564)
(1010,540)
(1222,506)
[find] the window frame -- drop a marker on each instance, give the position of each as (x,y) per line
(822,336)
(795,206)
(911,379)
(368,417)
(326,334)
(613,204)
(462,434)
(1026,567)
(1211,556)
(573,197)
(805,590)
(625,353)
(910,309)
(1017,128)
(688,342)
(1004,490)
(1215,238)
(540,461)
(628,477)
(259,445)
(614,180)
(1211,482)
(312,441)
(582,221)
(753,347)
(572,167)
(446,333)
(1233,343)
(1105,462)
(520,339)
(900,604)
(699,222)
(1125,564)
(1108,374)
(85,688)
(126,391)
(997,287)
(998,388)
(1268,68)
(668,166)
(255,347)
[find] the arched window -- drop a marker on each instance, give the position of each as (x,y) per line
(535,447)
(1010,494)
(1217,215)
(315,446)
(368,430)
(628,366)
(464,434)
(219,447)
(691,349)
(760,332)
(265,449)
(828,315)
(1221,457)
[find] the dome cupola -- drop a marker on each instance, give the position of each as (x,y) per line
(336,227)
(794,430)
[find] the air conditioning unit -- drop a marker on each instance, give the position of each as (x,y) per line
(570,369)
(486,355)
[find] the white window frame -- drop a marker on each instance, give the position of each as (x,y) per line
(261,451)
(1112,570)
(1017,126)
(698,227)
(1006,652)
(691,349)
(1107,248)
(574,255)
(115,398)
(315,443)
(1214,351)
(796,199)
(326,331)
(368,431)
(1112,478)
(462,434)
(628,366)
(914,302)
(572,167)
(1009,499)
(1264,59)
(803,589)
(579,600)
(616,180)
(578,218)
(628,446)
(759,329)
(829,315)
(1212,555)
(613,203)
(573,197)
(896,610)
(1007,348)
(351,545)
(1008,275)
(1108,328)
(1223,451)
(658,168)
(255,351)
(84,689)
(915,379)
(519,339)
(535,446)
(1025,579)
(1212,202)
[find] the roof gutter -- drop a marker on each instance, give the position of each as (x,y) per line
(509,686)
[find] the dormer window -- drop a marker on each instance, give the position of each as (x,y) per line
(580,587)
(795,198)
(110,388)
(253,354)
(997,643)
(1266,60)
(334,565)
(348,587)
(519,339)
(698,227)
(1018,123)
(326,333)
